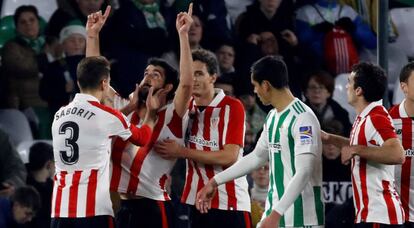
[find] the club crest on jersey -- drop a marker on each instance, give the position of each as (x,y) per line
(305,133)
(214,123)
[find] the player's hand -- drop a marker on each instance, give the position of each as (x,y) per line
(271,221)
(168,149)
(205,195)
(184,20)
(347,153)
(157,100)
(134,98)
(96,21)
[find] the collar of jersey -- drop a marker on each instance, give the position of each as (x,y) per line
(368,109)
(85,97)
(401,109)
(217,98)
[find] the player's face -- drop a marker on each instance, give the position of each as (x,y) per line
(351,93)
(261,176)
(260,91)
(203,81)
(408,87)
(154,76)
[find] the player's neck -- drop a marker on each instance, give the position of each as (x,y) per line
(97,94)
(280,99)
(360,105)
(204,99)
(409,107)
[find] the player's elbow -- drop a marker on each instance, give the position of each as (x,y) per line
(228,160)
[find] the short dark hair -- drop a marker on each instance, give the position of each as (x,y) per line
(324,78)
(271,68)
(39,154)
(92,70)
(27,196)
(406,72)
(372,79)
(23,9)
(208,58)
(171,74)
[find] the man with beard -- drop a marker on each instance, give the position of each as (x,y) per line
(139,174)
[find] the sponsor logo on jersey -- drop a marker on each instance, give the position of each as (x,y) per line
(275,147)
(305,133)
(202,141)
(409,153)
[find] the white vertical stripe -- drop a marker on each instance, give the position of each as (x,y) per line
(55,187)
(226,122)
(64,208)
(82,193)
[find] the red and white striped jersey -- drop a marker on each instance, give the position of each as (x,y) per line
(141,171)
(82,133)
(404,174)
(220,123)
(375,197)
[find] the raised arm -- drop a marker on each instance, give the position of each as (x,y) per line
(93,27)
(185,87)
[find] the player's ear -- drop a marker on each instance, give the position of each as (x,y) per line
(404,88)
(213,78)
(168,87)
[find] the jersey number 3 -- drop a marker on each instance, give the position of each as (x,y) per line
(72,156)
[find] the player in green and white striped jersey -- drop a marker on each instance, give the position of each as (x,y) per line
(291,143)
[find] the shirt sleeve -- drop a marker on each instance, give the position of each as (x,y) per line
(235,124)
(119,126)
(306,134)
(382,129)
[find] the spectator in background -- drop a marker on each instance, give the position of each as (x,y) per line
(318,93)
(258,192)
(20,209)
(138,31)
(41,168)
(217,28)
(315,21)
(72,10)
(226,84)
(266,15)
(195,35)
(19,60)
(58,85)
(266,43)
(12,170)
(255,116)
(225,57)
(336,177)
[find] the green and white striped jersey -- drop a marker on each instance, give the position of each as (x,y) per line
(293,131)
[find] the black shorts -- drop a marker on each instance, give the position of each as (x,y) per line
(409,225)
(220,218)
(145,213)
(376,225)
(104,221)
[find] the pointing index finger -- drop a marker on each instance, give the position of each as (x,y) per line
(107,11)
(190,9)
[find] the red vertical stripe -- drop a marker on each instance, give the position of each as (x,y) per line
(91,194)
(193,123)
(73,194)
(200,183)
(60,187)
(363,173)
(392,214)
(176,125)
(207,136)
(188,182)
(164,219)
(117,151)
(406,167)
(354,186)
(142,154)
(247,219)
(162,181)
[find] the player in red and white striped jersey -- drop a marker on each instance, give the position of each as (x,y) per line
(402,116)
(82,133)
(373,149)
(215,140)
(139,174)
